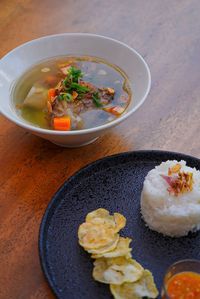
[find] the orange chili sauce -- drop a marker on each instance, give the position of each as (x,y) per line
(185,285)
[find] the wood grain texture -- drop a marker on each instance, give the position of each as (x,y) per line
(166,33)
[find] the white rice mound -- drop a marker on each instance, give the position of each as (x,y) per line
(165,213)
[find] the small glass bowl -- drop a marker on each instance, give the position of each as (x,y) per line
(178,267)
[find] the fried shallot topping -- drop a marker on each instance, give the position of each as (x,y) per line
(179,182)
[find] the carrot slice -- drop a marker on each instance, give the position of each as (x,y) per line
(51,94)
(62,123)
(74,95)
(116,110)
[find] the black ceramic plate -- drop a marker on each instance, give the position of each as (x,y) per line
(113,183)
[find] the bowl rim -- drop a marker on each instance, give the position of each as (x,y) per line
(125,115)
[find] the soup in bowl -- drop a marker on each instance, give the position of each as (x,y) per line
(71,88)
(71,93)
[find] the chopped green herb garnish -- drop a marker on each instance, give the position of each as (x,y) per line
(73,75)
(66,81)
(79,88)
(60,97)
(68,97)
(76,74)
(70,84)
(96,101)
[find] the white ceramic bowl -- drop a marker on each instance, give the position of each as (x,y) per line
(16,62)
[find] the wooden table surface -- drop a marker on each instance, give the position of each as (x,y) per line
(166,34)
